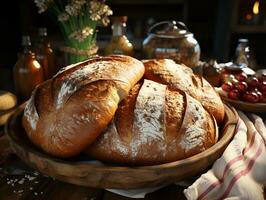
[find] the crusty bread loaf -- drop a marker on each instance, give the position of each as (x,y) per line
(68,112)
(153,125)
(182,78)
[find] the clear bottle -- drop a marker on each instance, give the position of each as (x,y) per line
(27,72)
(45,54)
(119,43)
(243,56)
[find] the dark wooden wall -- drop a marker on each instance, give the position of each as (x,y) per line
(209,20)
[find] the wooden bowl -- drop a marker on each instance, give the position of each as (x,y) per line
(93,174)
(246,106)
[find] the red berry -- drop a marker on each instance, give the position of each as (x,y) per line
(251,97)
(241,77)
(259,95)
(228,86)
(241,86)
(253,82)
(260,79)
(234,94)
(262,87)
(263,76)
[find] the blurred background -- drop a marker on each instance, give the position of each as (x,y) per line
(216,24)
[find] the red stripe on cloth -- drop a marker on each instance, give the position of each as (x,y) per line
(243,172)
(210,188)
(240,157)
(229,164)
(237,125)
(217,183)
(248,147)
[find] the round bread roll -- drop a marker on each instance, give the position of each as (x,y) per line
(7,101)
(155,125)
(68,112)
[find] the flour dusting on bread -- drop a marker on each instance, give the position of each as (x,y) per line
(149,114)
(75,81)
(30,112)
(193,135)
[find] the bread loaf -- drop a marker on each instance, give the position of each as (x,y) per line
(68,112)
(154,125)
(182,78)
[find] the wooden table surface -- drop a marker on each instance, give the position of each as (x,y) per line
(18,181)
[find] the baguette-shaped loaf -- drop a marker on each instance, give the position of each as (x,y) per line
(155,125)
(68,112)
(182,78)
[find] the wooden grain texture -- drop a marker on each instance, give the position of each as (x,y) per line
(46,188)
(246,106)
(110,176)
(5,149)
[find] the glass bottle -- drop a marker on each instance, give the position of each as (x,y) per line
(243,56)
(119,43)
(27,72)
(45,54)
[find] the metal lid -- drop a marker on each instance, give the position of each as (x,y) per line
(170,29)
(119,19)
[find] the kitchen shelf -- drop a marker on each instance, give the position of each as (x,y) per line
(146,2)
(249,29)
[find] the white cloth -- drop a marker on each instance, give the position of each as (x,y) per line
(240,173)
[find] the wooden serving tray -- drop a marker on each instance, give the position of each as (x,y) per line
(93,174)
(246,106)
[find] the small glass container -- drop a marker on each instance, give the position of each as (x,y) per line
(119,43)
(171,39)
(244,55)
(27,72)
(45,54)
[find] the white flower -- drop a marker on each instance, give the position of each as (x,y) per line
(105,21)
(79,2)
(62,17)
(74,7)
(100,11)
(71,10)
(95,16)
(42,5)
(81,35)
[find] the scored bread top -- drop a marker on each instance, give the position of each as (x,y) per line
(155,125)
(69,111)
(181,77)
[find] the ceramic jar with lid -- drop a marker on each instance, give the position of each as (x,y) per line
(171,39)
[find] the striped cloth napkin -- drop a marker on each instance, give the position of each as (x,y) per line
(240,173)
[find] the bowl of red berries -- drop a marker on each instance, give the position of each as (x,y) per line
(245,92)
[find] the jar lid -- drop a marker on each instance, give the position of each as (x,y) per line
(170,29)
(119,19)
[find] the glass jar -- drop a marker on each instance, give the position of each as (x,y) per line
(171,39)
(27,71)
(119,43)
(243,54)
